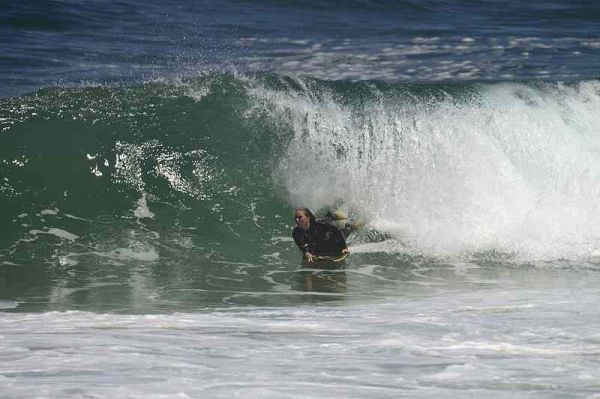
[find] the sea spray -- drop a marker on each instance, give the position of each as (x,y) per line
(509,167)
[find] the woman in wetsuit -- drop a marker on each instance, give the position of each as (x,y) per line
(317,238)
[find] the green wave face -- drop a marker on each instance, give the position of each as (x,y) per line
(207,154)
(100,180)
(177,193)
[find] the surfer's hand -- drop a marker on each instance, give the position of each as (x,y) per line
(309,257)
(345,251)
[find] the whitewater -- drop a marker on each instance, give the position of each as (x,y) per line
(151,158)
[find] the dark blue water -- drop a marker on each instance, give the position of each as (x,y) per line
(48,43)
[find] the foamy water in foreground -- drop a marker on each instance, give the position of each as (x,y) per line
(148,178)
(469,332)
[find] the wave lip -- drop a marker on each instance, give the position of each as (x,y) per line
(502,167)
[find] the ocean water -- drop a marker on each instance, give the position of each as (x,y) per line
(151,156)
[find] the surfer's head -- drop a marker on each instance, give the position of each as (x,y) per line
(304,217)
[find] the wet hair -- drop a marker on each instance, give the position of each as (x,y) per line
(306,212)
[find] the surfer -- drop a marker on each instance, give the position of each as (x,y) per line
(317,238)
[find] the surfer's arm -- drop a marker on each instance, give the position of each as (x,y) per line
(302,245)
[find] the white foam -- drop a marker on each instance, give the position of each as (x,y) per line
(60,233)
(511,169)
(49,212)
(453,372)
(8,304)
(142,211)
(76,217)
(167,164)
(197,94)
(281,239)
(424,339)
(387,246)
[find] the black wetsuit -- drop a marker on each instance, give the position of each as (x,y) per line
(321,239)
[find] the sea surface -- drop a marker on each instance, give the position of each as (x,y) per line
(152,153)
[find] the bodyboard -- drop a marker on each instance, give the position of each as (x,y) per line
(329,259)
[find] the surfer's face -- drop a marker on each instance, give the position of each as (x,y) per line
(302,220)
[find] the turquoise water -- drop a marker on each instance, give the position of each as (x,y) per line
(151,158)
(183,193)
